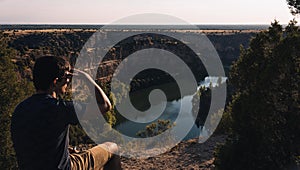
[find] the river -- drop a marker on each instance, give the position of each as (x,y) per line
(171,111)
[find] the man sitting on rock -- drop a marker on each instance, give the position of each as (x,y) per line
(40,124)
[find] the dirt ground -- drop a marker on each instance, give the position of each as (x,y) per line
(189,155)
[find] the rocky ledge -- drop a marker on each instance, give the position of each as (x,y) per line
(189,155)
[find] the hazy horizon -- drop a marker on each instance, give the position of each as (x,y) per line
(91,12)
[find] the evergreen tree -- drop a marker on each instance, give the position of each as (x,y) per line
(12,90)
(294,6)
(265,108)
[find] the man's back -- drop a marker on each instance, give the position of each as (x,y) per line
(40,132)
(40,124)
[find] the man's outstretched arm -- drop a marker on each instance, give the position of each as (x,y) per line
(105,104)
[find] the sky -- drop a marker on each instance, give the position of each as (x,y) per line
(108,11)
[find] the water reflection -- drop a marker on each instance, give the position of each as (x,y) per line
(171,111)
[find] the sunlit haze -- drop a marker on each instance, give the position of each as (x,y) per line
(102,12)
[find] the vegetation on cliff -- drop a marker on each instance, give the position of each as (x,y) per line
(265,107)
(13,89)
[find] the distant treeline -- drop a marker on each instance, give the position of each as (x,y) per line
(75,26)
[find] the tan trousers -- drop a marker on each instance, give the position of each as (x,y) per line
(96,158)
